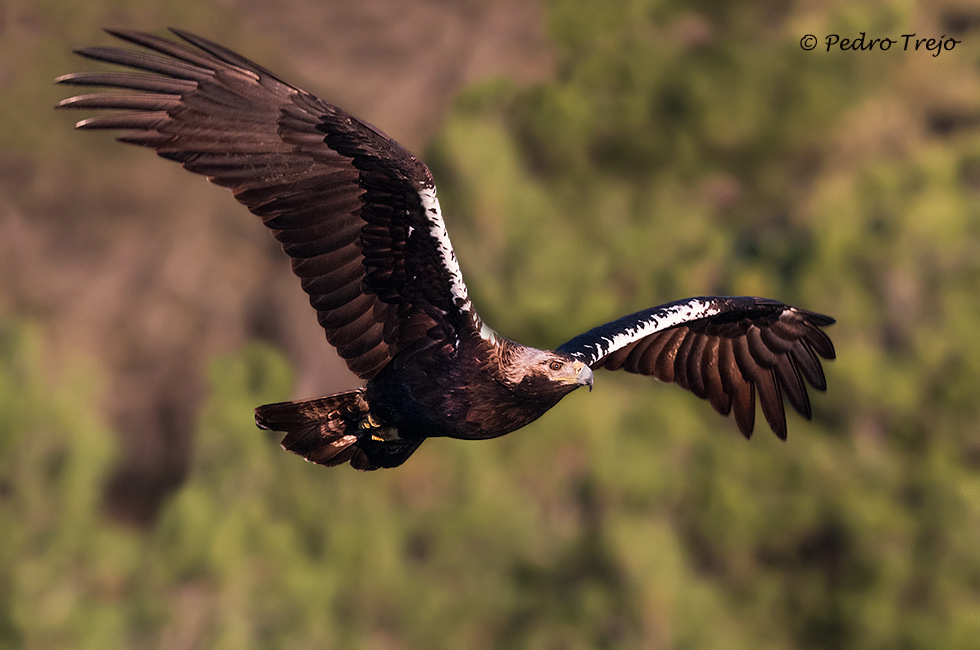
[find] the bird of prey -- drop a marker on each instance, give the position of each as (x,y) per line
(358,216)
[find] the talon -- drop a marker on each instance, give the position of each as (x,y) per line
(368,422)
(385,434)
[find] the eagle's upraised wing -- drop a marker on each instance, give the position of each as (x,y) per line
(722,349)
(355,211)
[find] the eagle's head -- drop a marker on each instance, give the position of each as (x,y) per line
(546,373)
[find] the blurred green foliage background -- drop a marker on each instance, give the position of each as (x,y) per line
(675,149)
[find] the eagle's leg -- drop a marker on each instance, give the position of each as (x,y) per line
(378,431)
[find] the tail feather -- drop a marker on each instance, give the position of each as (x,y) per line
(322,430)
(331,431)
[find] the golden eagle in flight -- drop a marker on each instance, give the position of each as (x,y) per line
(358,216)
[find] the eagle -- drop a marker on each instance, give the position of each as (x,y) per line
(358,216)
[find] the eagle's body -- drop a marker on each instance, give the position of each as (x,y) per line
(359,217)
(470,395)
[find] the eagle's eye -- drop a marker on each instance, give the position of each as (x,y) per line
(555,365)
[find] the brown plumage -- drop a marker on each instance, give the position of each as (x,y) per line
(358,216)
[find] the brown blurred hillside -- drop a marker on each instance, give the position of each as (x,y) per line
(151,271)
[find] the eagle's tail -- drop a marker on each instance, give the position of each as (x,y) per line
(335,429)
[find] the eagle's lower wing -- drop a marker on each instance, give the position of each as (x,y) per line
(722,349)
(355,211)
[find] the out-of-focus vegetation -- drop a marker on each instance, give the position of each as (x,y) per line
(680,149)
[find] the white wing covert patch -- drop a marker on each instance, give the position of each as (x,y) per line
(606,339)
(437,228)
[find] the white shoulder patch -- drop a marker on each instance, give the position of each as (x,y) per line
(487,333)
(606,339)
(437,229)
(665,318)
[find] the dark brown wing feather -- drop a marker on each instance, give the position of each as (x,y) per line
(340,195)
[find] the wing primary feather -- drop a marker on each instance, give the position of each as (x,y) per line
(123,101)
(772,403)
(758,349)
(681,358)
(711,377)
(695,356)
(129,81)
(170,48)
(663,368)
(819,340)
(792,382)
(737,387)
(146,61)
(619,359)
(142,121)
(773,341)
(765,383)
(809,364)
(224,54)
(635,356)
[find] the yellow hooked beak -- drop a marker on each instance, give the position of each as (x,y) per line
(584,377)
